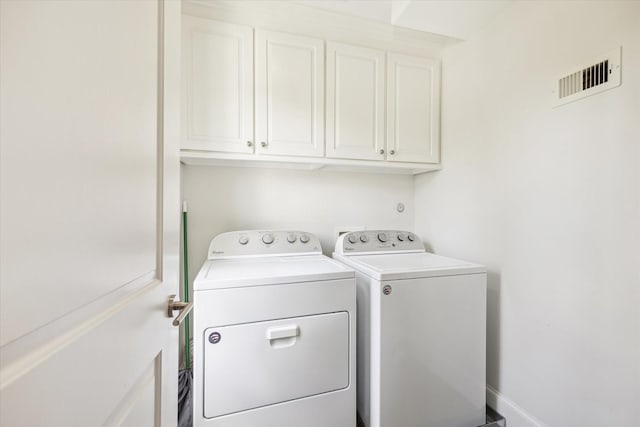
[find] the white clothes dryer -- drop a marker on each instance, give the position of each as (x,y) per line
(421,332)
(274,334)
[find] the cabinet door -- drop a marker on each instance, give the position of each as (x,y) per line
(217,86)
(289,94)
(413,109)
(355,102)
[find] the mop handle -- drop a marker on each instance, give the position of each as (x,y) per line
(185,296)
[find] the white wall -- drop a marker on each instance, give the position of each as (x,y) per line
(225,199)
(549,200)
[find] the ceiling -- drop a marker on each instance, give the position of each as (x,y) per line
(453,18)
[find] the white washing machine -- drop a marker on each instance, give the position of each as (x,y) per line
(274,334)
(421,332)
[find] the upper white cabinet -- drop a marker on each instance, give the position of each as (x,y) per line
(413,109)
(289,94)
(270,98)
(355,102)
(217,86)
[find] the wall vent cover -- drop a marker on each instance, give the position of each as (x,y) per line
(599,75)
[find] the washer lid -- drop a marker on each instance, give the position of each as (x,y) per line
(257,271)
(408,265)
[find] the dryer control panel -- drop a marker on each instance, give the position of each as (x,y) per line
(378,241)
(263,243)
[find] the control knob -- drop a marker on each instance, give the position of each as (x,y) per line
(364,238)
(243,240)
(291,238)
(411,237)
(401,237)
(304,238)
(352,239)
(382,237)
(267,239)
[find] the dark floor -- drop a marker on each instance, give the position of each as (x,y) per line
(494,419)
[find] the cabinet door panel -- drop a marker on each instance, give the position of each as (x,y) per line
(413,109)
(355,102)
(289,94)
(217,89)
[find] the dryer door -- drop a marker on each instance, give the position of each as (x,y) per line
(263,363)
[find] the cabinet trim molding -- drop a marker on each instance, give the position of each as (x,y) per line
(207,158)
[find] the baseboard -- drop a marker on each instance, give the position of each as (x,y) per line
(514,414)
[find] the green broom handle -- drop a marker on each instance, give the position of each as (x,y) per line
(185,296)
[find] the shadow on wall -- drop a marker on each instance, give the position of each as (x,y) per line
(493,329)
(428,247)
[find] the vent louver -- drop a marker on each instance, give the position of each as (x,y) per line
(600,75)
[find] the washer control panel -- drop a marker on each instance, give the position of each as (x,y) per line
(375,241)
(263,243)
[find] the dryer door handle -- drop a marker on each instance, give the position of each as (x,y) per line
(280,332)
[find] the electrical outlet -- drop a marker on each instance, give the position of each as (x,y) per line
(340,230)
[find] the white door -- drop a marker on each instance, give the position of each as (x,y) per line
(413,109)
(355,102)
(90,212)
(289,94)
(217,86)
